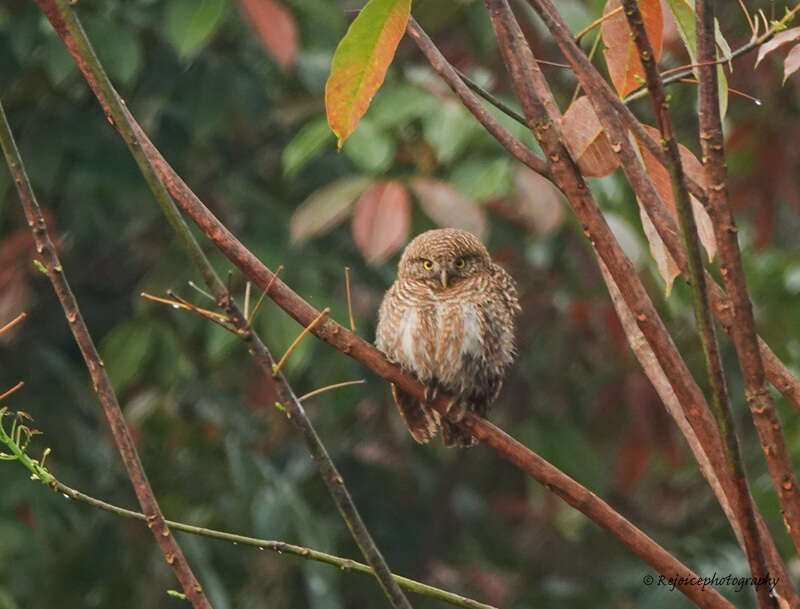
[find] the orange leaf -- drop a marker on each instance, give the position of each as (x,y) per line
(275,27)
(360,62)
(622,57)
(586,141)
(381,220)
(661,180)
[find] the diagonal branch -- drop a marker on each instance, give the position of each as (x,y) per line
(744,330)
(66,22)
(345,341)
(743,508)
(102,386)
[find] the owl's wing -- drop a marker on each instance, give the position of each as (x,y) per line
(420,419)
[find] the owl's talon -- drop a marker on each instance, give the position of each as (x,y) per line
(431,391)
(456,411)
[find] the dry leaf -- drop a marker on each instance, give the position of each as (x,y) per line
(586,140)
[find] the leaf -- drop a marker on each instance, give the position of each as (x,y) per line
(447,207)
(683,11)
(586,141)
(779,40)
(304,146)
(360,62)
(538,203)
(661,180)
(190,23)
(117,47)
(448,128)
(275,27)
(381,220)
(325,208)
(124,352)
(791,63)
(483,180)
(622,57)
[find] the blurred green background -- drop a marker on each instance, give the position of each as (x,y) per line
(234,100)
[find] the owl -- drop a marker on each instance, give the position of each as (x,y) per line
(449,319)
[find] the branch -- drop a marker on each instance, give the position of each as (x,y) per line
(279,547)
(484,117)
(743,508)
(102,386)
(346,342)
(66,23)
(777,372)
(744,330)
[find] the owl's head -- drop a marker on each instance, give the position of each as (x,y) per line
(441,258)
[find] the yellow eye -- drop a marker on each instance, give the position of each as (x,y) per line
(427,265)
(460,263)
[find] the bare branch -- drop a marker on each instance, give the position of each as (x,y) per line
(744,330)
(743,508)
(105,392)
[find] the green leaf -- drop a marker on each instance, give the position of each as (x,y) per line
(371,149)
(304,146)
(190,23)
(449,129)
(360,62)
(482,180)
(683,11)
(325,208)
(124,350)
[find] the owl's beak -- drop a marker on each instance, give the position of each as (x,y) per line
(444,278)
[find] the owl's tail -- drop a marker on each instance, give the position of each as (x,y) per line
(421,420)
(453,435)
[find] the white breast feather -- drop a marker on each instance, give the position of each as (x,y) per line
(407,330)
(472,330)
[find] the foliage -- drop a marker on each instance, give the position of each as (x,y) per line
(245,126)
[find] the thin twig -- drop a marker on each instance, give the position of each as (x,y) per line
(597,22)
(247,300)
(349,299)
(744,330)
(484,117)
(297,340)
(14,389)
(13,323)
(175,304)
(720,403)
(279,547)
(303,398)
(105,392)
(263,295)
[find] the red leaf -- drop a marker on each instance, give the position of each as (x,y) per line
(779,40)
(621,54)
(586,141)
(446,206)
(275,27)
(381,220)
(538,203)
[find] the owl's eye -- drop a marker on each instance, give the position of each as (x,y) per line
(460,263)
(427,265)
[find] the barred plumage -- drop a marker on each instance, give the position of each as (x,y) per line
(449,319)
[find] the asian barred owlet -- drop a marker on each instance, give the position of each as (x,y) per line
(449,319)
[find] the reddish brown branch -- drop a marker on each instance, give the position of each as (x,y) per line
(610,110)
(102,386)
(743,330)
(471,101)
(353,346)
(743,508)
